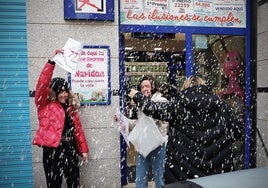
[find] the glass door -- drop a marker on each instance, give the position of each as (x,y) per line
(161,55)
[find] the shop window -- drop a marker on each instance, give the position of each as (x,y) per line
(220,60)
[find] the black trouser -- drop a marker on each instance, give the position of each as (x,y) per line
(60,161)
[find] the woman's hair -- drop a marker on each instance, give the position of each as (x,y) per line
(191,81)
(74,100)
(154,84)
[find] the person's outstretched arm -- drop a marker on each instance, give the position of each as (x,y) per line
(165,111)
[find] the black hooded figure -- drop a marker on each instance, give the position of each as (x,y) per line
(202,128)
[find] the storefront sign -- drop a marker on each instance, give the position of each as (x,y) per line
(204,13)
(89,10)
(91,80)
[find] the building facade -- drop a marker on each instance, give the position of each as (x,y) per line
(262,60)
(47,30)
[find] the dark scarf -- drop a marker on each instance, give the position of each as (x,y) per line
(68,123)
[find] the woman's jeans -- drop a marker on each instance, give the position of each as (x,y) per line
(157,160)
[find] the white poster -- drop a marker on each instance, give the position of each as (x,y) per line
(91,80)
(123,126)
(70,58)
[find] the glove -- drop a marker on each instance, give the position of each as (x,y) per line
(139,99)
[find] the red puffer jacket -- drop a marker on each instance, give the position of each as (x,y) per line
(51,116)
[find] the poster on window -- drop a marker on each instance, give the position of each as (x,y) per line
(91,80)
(89,10)
(203,13)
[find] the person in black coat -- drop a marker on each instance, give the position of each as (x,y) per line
(202,128)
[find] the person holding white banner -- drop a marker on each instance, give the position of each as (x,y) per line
(149,137)
(60,132)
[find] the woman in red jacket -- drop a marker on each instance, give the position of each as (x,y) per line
(60,131)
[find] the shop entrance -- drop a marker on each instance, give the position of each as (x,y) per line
(161,55)
(165,56)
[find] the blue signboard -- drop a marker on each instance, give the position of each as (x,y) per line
(89,10)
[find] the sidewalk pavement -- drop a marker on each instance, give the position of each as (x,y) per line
(132,185)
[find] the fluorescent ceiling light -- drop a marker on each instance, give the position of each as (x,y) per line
(157,49)
(128,48)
